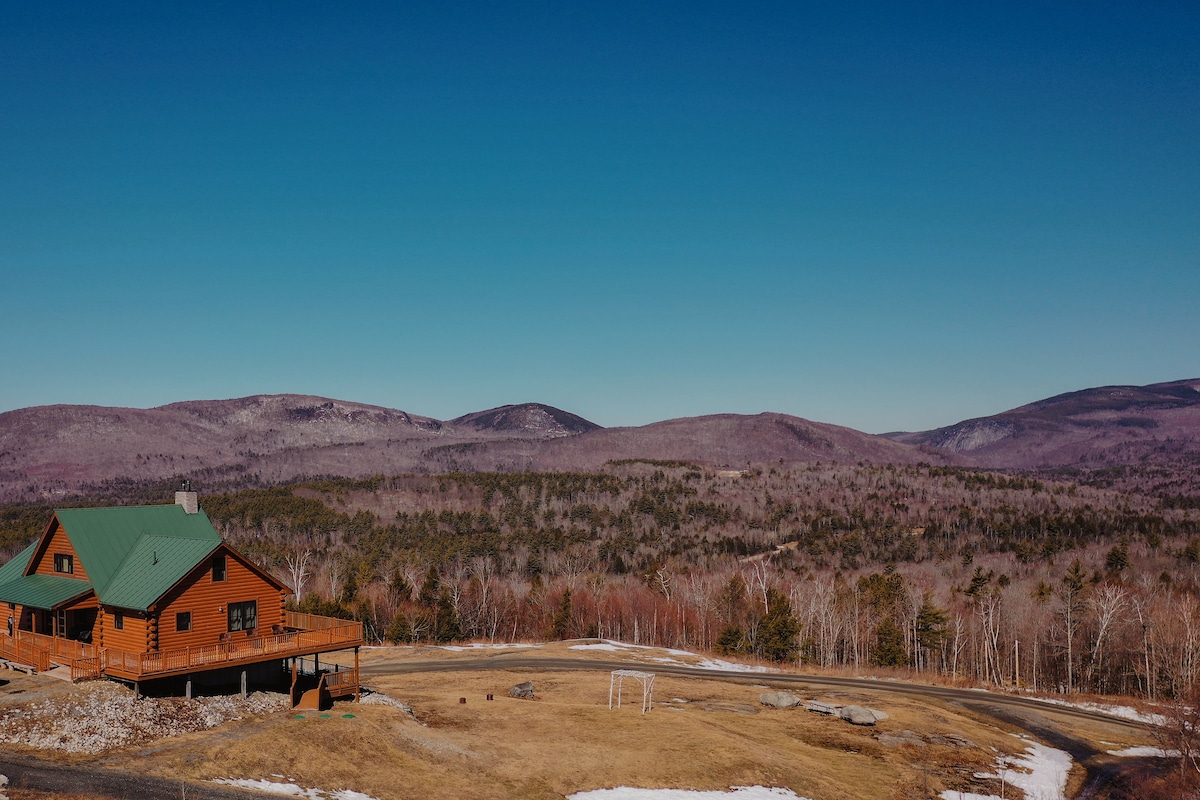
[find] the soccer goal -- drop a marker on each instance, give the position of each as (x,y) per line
(617,680)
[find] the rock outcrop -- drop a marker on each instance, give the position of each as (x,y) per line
(522,690)
(779,699)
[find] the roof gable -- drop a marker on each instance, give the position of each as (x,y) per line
(107,538)
(153,566)
(133,556)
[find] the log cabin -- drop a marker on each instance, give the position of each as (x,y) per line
(147,593)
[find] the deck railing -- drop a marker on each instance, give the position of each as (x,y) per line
(86,668)
(40,651)
(21,648)
(342,633)
(344,681)
(298,620)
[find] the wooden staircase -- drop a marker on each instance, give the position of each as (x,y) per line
(341,683)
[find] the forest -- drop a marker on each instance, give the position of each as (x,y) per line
(985,578)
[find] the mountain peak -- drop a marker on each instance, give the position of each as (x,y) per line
(527,419)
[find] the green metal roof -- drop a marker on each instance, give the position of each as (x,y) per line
(105,538)
(132,555)
(153,566)
(15,568)
(43,591)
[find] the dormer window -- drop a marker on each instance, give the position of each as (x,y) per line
(64,563)
(219,567)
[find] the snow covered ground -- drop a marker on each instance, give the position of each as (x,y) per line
(1124,712)
(461,648)
(1145,752)
(611,646)
(290,789)
(1041,773)
(735,793)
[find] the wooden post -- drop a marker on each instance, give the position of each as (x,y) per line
(357,677)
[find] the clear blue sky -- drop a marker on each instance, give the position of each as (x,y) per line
(887,219)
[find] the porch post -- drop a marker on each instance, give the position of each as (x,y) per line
(243,684)
(357,677)
(189,687)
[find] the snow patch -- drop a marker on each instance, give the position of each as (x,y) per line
(1041,773)
(1145,752)
(291,789)
(271,787)
(460,648)
(1124,712)
(734,793)
(612,648)
(716,664)
(727,666)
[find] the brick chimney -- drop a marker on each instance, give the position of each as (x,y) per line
(187,498)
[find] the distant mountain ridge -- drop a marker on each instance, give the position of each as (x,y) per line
(49,450)
(1104,426)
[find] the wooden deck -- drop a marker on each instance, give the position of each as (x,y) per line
(304,634)
(39,651)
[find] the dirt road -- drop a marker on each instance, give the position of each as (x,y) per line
(48,776)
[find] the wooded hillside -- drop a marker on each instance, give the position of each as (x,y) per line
(993,577)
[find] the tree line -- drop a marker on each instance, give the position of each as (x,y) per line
(985,577)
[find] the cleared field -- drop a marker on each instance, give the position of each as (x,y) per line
(702,734)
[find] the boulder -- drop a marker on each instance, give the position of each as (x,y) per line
(880,716)
(857,715)
(779,699)
(523,690)
(901,738)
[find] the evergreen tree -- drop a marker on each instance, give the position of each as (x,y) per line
(428,596)
(731,641)
(889,645)
(400,631)
(560,625)
(778,631)
(1117,559)
(931,624)
(1073,585)
(446,624)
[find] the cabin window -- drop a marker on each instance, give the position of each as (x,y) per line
(243,616)
(183,621)
(219,567)
(65,563)
(118,622)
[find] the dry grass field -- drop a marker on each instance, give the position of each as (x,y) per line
(701,734)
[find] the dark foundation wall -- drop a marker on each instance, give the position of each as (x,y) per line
(270,676)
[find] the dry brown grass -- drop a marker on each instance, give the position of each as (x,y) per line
(568,740)
(702,734)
